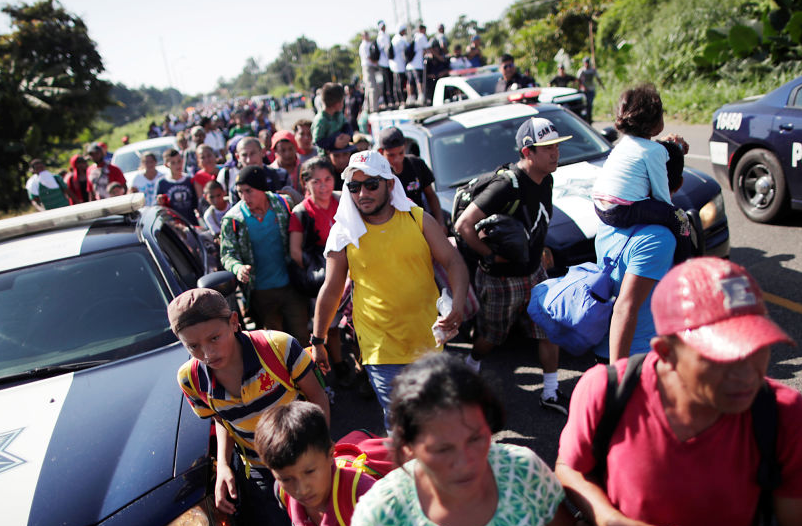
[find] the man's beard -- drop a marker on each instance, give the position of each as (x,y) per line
(378,209)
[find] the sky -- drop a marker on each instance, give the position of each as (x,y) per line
(189,45)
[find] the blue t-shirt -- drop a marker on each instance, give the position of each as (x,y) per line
(268,251)
(649,254)
(181,195)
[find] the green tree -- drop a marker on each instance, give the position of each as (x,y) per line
(49,88)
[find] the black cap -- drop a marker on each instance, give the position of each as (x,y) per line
(391,138)
(254,176)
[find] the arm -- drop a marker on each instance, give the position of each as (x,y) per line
(311,389)
(434,206)
(634,291)
(466,228)
(37,203)
(328,299)
(296,253)
(229,251)
(445,254)
(225,485)
(590,498)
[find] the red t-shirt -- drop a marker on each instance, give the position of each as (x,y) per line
(655,478)
(298,514)
(202,178)
(323,217)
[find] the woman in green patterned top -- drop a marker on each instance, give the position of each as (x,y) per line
(443,416)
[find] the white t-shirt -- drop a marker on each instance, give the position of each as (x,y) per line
(43,178)
(146,186)
(398,64)
(384,42)
(459,62)
(421,43)
(364,54)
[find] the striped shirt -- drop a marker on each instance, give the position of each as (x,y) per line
(260,391)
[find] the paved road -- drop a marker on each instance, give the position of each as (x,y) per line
(773,253)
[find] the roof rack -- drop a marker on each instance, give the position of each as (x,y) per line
(70,215)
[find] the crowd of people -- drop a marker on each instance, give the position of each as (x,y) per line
(322,232)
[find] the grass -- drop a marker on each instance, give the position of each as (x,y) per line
(693,101)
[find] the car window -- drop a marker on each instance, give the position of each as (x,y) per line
(461,155)
(453,94)
(130,161)
(108,305)
(484,84)
(795,100)
(181,263)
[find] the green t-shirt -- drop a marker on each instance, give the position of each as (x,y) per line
(528,493)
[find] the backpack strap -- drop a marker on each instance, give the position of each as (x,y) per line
(764,424)
(194,381)
(337,494)
(615,401)
(268,354)
(515,184)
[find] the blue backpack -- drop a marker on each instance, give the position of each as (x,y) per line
(574,310)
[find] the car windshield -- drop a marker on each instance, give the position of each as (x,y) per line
(130,160)
(98,307)
(461,155)
(484,84)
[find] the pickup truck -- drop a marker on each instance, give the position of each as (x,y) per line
(476,83)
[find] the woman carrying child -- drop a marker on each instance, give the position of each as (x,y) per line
(442,416)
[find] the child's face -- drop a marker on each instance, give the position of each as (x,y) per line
(116,191)
(207,158)
(304,137)
(212,342)
(216,198)
(175,164)
(309,480)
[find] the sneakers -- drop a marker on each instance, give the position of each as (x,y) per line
(558,402)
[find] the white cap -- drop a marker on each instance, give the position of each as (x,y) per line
(371,162)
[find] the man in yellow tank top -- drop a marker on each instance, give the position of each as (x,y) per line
(387,244)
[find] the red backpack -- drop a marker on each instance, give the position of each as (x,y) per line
(362,451)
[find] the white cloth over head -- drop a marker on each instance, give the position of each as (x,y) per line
(349,225)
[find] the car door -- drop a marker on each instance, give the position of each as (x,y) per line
(786,136)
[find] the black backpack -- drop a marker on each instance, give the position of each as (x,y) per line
(466,193)
(373,51)
(391,50)
(764,425)
(409,52)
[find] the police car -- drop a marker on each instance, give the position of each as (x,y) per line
(93,428)
(756,149)
(462,140)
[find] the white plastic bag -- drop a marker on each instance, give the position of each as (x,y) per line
(444,305)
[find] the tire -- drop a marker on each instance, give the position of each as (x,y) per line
(759,186)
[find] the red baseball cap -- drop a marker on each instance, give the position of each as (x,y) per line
(716,307)
(282,135)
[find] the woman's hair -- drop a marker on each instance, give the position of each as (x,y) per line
(309,167)
(639,111)
(286,432)
(435,383)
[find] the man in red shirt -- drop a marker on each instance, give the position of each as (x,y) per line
(684,450)
(101,174)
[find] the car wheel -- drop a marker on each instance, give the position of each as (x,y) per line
(759,185)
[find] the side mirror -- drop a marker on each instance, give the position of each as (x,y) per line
(222,281)
(610,133)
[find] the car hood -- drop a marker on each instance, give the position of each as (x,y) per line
(77,447)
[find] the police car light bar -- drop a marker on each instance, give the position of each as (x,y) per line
(453,108)
(70,215)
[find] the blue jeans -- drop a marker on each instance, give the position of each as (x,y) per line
(381,378)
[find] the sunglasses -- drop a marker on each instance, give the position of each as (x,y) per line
(370,184)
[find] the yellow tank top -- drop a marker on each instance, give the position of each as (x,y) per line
(394,290)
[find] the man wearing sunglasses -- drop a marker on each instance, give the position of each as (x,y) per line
(387,243)
(511,78)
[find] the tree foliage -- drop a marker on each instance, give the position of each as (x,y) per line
(131,104)
(49,88)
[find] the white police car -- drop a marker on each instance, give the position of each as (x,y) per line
(460,141)
(756,149)
(93,428)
